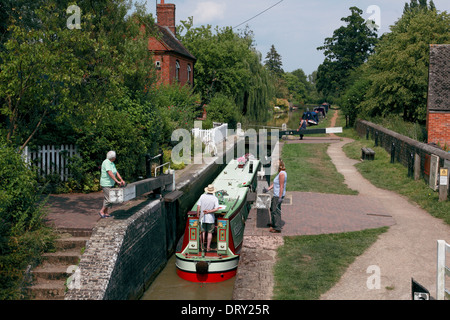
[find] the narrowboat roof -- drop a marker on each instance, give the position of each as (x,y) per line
(232,185)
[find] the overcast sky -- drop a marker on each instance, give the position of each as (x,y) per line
(295,27)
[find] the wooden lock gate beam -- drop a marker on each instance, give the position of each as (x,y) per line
(139,188)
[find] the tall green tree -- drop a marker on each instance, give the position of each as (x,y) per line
(227,63)
(347,49)
(274,62)
(53,75)
(299,87)
(398,72)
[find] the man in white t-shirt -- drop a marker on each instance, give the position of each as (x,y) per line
(207,205)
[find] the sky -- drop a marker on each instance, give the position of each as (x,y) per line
(295,27)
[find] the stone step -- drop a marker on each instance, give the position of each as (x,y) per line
(65,243)
(48,290)
(49,278)
(76,232)
(48,271)
(66,257)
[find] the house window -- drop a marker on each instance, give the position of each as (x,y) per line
(177,74)
(189,71)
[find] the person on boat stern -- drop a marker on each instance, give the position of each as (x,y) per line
(279,192)
(207,205)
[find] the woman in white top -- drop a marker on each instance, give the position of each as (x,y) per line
(279,192)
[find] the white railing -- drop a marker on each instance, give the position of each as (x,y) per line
(215,135)
(51,159)
(442,270)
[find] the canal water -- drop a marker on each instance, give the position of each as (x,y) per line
(168,286)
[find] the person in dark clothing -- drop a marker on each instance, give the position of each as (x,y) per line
(302,126)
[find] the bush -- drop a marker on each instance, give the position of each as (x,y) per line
(23,236)
(223,109)
(115,132)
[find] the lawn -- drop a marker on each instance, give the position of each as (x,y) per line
(309,266)
(310,169)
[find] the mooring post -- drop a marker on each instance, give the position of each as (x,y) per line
(393,152)
(443,184)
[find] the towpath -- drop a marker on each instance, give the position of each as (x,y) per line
(407,250)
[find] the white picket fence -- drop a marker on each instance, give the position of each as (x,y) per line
(442,270)
(51,159)
(214,135)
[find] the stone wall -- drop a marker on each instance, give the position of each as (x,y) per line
(405,149)
(122,255)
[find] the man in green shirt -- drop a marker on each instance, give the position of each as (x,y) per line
(109,177)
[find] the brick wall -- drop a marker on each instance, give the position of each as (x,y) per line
(167,73)
(439,128)
(166,15)
(438,116)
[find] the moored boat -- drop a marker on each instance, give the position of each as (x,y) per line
(235,185)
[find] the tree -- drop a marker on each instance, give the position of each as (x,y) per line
(273,62)
(298,86)
(398,71)
(69,77)
(349,47)
(23,238)
(227,63)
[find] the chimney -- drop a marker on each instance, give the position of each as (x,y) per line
(165,13)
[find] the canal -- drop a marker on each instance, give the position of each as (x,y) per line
(168,286)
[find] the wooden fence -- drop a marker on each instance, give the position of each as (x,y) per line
(51,159)
(442,270)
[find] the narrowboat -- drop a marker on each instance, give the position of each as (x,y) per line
(236,186)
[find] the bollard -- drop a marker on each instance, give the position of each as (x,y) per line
(411,166)
(443,184)
(393,152)
(417,168)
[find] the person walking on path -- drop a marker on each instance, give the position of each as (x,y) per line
(207,205)
(302,126)
(279,192)
(109,177)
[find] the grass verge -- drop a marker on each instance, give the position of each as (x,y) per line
(394,177)
(310,169)
(309,266)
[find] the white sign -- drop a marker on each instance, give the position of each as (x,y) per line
(443,181)
(334,130)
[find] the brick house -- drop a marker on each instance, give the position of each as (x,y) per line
(173,61)
(438,114)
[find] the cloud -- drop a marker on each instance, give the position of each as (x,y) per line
(209,11)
